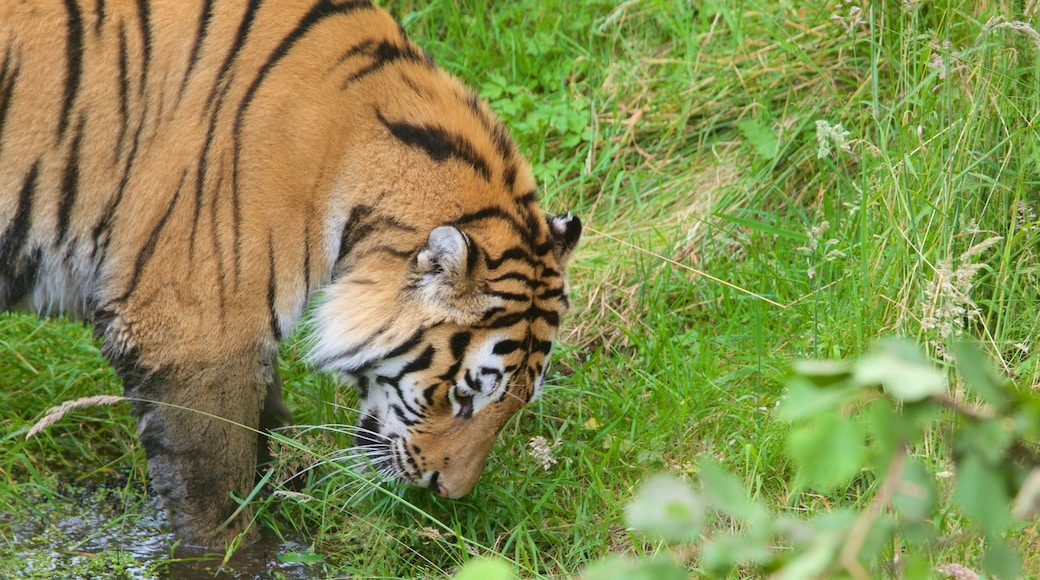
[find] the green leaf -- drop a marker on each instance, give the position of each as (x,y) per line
(1000,560)
(828,451)
(486,569)
(822,373)
(811,562)
(725,552)
(915,496)
(667,507)
(988,438)
(901,368)
(978,374)
(728,494)
(803,400)
(980,491)
(760,136)
(916,567)
(618,568)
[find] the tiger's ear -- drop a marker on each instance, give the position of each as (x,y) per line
(442,273)
(566,232)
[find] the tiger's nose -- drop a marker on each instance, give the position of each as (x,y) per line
(436,485)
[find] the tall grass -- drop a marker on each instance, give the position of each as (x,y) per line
(721,243)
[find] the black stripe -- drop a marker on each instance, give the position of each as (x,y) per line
(353,51)
(317,13)
(429,392)
(124,92)
(17,232)
(99,22)
(419,363)
(398,351)
(409,422)
(146,41)
(526,280)
(505,347)
(439,144)
(104,224)
(70,183)
(529,315)
(518,254)
(8,80)
(73,64)
(20,276)
(360,225)
(221,83)
(499,135)
(551,293)
(492,213)
(407,345)
(369,425)
(542,346)
(153,239)
(459,343)
(527,199)
(272,287)
(200,182)
(354,230)
(306,259)
(200,36)
(510,296)
(472,256)
(509,176)
(384,54)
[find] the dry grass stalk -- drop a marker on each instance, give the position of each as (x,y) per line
(54,414)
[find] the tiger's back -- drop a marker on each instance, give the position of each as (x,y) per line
(187,175)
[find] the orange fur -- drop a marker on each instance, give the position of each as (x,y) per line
(188,180)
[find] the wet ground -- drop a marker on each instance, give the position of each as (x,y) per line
(106,532)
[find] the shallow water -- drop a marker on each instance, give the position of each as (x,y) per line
(97,533)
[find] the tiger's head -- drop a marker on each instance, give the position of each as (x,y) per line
(445,353)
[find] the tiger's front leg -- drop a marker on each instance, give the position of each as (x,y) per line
(199,425)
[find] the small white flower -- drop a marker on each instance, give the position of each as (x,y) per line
(543,452)
(830,137)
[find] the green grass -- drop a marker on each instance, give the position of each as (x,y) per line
(718,248)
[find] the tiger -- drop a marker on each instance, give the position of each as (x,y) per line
(193,178)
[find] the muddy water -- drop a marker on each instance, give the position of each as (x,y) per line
(100,533)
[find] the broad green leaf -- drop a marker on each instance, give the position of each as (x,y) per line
(915,497)
(486,569)
(811,562)
(916,567)
(618,568)
(1000,560)
(828,451)
(667,507)
(803,400)
(978,374)
(902,369)
(822,372)
(980,491)
(725,552)
(760,136)
(729,496)
(989,439)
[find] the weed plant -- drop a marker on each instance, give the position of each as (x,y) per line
(761,181)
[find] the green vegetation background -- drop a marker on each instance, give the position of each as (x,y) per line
(761,181)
